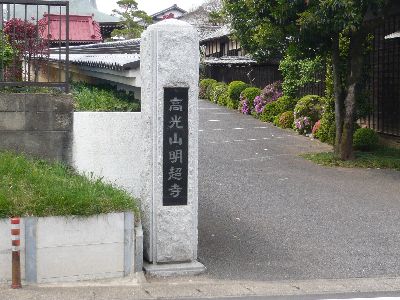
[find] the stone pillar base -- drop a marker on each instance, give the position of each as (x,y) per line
(176,269)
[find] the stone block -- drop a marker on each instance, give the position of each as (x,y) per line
(37,124)
(78,262)
(12,121)
(52,145)
(169,60)
(12,103)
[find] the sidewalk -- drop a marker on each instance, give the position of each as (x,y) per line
(196,287)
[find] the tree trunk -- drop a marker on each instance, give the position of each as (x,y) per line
(339,95)
(356,67)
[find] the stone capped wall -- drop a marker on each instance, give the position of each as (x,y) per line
(37,124)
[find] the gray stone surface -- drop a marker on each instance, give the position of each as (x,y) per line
(30,250)
(200,288)
(267,214)
(37,124)
(138,248)
(171,269)
(129,237)
(169,58)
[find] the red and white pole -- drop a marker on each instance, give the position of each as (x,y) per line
(16,260)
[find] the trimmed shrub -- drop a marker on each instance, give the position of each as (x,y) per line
(316,128)
(303,125)
(310,106)
(217,90)
(327,130)
(223,98)
(365,139)
(268,95)
(203,86)
(286,103)
(269,113)
(272,92)
(250,94)
(235,88)
(232,104)
(247,97)
(276,120)
(286,120)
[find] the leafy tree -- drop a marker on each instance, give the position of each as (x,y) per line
(7,53)
(270,28)
(27,44)
(134,21)
(216,12)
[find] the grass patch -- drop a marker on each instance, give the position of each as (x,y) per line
(37,188)
(103,98)
(383,158)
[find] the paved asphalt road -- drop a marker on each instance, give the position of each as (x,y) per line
(267,214)
(365,296)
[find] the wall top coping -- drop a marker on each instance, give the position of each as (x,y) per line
(170,24)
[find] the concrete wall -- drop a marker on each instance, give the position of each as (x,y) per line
(62,249)
(5,250)
(37,124)
(109,145)
(102,144)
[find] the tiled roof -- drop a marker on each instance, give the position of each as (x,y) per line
(221,32)
(230,60)
(119,47)
(173,7)
(118,62)
(77,7)
(82,29)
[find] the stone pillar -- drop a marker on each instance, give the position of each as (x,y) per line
(170,73)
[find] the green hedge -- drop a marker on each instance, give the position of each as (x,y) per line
(37,188)
(365,139)
(203,87)
(310,106)
(217,90)
(235,88)
(270,112)
(286,120)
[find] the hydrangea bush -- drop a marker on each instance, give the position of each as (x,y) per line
(269,94)
(303,125)
(247,99)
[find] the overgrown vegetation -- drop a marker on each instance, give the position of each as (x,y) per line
(103,98)
(382,158)
(336,31)
(31,187)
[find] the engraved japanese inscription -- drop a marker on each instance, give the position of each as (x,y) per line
(176,140)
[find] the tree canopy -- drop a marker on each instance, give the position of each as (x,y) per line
(134,20)
(308,28)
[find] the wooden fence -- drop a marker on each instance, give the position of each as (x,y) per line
(383,86)
(258,75)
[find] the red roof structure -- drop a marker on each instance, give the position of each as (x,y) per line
(82,29)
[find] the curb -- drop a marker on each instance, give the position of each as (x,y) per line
(200,287)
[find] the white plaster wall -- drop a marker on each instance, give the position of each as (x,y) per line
(5,250)
(109,145)
(71,249)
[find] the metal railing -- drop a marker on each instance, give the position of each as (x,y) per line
(28,30)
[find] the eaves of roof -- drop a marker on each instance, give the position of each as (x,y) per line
(117,62)
(176,7)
